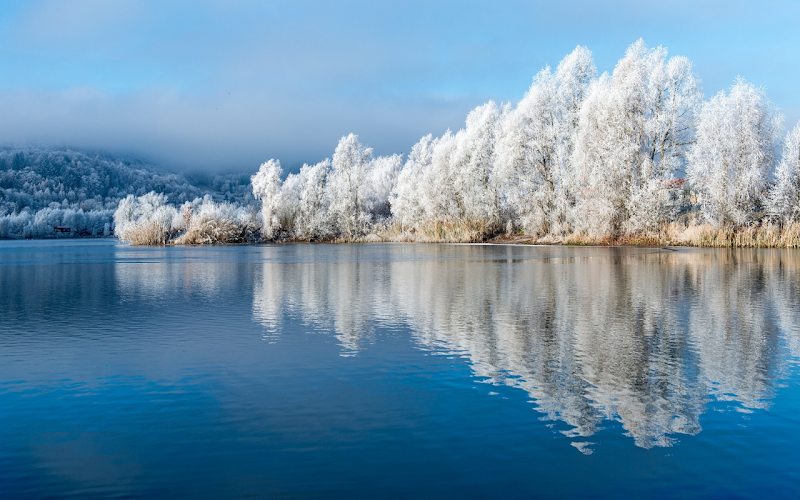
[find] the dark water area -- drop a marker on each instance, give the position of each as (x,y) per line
(398,371)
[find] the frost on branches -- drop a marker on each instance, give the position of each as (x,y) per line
(536,145)
(149,220)
(733,156)
(632,136)
(784,198)
(616,155)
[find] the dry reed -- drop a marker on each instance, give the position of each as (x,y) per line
(764,235)
(209,230)
(436,232)
(147,234)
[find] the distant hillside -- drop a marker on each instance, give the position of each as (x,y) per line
(41,189)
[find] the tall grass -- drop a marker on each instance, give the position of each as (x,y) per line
(149,233)
(436,231)
(205,230)
(763,235)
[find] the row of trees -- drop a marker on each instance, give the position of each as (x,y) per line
(345,196)
(49,222)
(616,154)
(622,153)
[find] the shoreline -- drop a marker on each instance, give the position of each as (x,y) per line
(497,240)
(764,235)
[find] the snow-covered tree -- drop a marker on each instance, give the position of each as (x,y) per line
(383,173)
(408,206)
(734,153)
(537,141)
(146,220)
(473,162)
(634,131)
(347,186)
(303,204)
(426,187)
(204,221)
(783,200)
(266,187)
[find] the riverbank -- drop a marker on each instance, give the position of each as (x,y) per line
(208,230)
(701,235)
(764,235)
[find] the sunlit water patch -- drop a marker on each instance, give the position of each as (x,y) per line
(402,370)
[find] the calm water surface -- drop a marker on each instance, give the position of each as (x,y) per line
(397,370)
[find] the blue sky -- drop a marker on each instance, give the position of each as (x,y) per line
(227,85)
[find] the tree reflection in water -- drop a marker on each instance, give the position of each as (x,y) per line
(645,338)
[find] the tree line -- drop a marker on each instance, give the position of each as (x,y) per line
(610,155)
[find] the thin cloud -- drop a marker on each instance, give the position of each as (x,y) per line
(215,84)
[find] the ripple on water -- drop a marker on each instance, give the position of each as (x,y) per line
(404,370)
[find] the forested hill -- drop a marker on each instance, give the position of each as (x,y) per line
(41,189)
(38,178)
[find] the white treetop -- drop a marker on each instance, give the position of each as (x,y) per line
(383,173)
(634,130)
(474,160)
(536,143)
(266,187)
(734,153)
(784,198)
(349,202)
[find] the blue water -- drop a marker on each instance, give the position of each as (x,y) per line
(398,371)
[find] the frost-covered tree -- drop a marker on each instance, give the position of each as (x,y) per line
(149,220)
(407,203)
(329,199)
(634,131)
(266,187)
(204,221)
(303,205)
(146,220)
(383,173)
(536,144)
(783,200)
(473,162)
(426,187)
(734,153)
(347,186)
(452,178)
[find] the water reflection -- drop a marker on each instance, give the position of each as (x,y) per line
(345,297)
(644,338)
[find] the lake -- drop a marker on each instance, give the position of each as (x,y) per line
(398,371)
